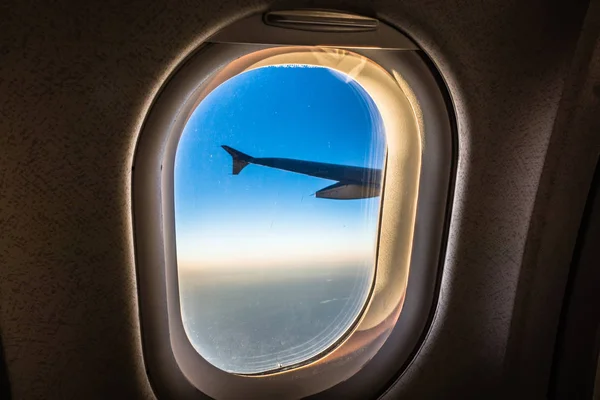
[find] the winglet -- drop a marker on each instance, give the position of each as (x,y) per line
(240,160)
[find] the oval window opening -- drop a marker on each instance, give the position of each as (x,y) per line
(278,176)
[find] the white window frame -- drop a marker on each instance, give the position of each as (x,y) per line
(417,115)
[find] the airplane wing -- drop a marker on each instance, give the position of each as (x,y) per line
(349,191)
(353,182)
(240,160)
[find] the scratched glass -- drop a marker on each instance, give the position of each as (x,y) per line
(278,176)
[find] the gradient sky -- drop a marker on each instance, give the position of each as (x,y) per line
(263,216)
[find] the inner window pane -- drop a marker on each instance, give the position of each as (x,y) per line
(278,176)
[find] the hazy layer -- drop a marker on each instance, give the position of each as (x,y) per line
(248,323)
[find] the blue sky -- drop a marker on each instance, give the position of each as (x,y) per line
(263,216)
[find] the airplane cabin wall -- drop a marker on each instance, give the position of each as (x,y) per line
(76,80)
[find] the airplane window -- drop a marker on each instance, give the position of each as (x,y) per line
(278,176)
(283,193)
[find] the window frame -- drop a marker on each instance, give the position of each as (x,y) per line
(163,336)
